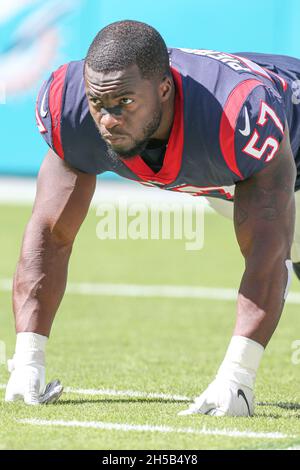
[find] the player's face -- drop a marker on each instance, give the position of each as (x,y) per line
(126,108)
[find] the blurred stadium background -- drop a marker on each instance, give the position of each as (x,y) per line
(163,344)
(39,35)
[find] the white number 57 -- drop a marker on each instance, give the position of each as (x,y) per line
(270,143)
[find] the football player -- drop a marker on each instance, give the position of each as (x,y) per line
(202,122)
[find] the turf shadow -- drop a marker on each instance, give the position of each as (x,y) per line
(104,400)
(284,405)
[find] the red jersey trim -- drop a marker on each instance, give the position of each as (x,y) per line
(229,118)
(55,105)
(283,82)
(172,160)
(39,121)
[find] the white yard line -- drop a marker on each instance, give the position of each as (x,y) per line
(161,429)
(126,393)
(146,427)
(121,393)
(136,290)
(129,393)
(21,191)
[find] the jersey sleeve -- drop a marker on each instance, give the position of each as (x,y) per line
(49,110)
(254,129)
(64,121)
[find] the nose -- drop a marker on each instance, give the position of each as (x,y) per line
(108,119)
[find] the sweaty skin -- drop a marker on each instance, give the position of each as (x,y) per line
(264,218)
(41,274)
(129,110)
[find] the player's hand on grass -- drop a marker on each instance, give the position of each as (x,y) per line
(231,393)
(27,382)
(223,398)
(27,368)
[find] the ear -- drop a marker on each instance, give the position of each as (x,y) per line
(166,87)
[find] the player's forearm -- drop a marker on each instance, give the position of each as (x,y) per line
(261,297)
(40,278)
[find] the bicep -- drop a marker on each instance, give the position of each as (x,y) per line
(63,196)
(264,206)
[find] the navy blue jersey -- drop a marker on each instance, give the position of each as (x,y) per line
(230,115)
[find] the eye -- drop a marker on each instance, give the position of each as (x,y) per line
(126,101)
(95,101)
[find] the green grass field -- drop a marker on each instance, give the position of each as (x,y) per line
(164,345)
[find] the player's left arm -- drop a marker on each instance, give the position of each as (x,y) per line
(264,216)
(260,154)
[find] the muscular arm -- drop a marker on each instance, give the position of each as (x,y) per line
(61,204)
(264,216)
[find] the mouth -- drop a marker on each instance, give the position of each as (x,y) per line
(113,139)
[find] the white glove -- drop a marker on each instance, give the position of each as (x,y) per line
(27,382)
(223,398)
(27,368)
(231,393)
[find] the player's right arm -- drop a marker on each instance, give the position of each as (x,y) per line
(62,201)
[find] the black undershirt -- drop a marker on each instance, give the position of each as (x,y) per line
(154,153)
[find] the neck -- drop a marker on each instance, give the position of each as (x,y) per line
(168,110)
